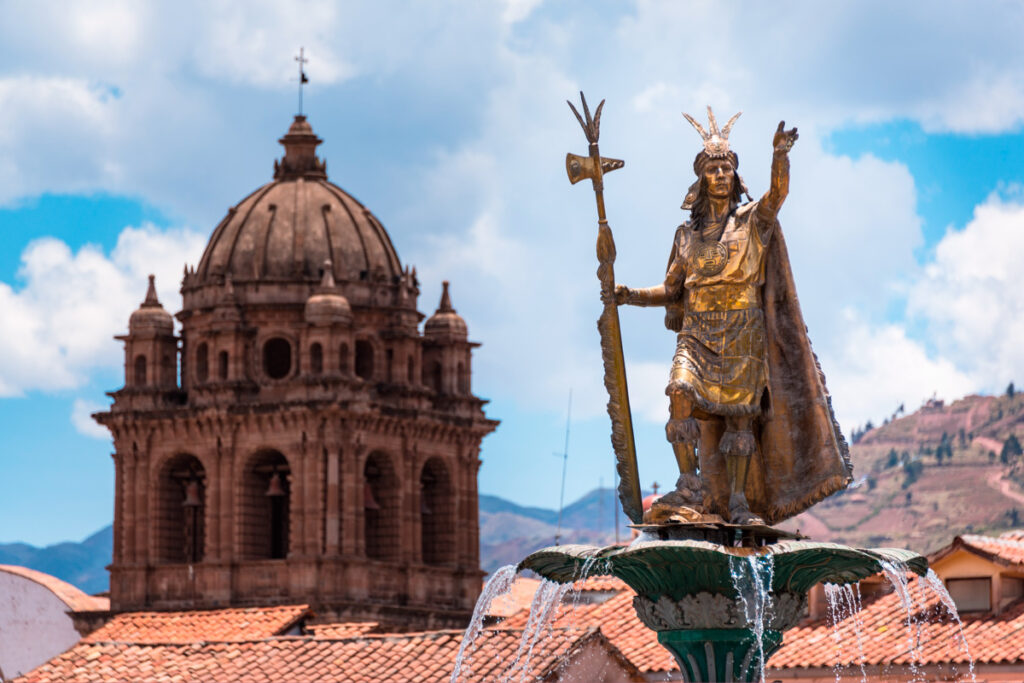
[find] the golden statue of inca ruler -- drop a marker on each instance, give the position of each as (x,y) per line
(750,419)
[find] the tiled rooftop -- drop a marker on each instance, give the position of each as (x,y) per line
(409,658)
(1009,547)
(229,624)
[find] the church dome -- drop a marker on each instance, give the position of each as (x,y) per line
(327,306)
(285,230)
(445,324)
(151,316)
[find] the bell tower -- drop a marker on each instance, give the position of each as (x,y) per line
(320,449)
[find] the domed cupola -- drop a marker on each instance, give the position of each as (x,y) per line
(282,233)
(445,325)
(150,316)
(327,306)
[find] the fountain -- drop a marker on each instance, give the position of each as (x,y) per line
(751,427)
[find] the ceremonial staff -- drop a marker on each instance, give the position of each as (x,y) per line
(594,167)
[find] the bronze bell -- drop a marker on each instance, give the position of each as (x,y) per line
(369,502)
(192,497)
(276,487)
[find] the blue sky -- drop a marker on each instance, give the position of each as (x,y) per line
(127,130)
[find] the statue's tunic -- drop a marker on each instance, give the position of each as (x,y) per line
(720,359)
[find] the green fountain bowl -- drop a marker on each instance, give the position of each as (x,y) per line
(679,568)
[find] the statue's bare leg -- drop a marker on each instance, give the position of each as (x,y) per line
(738,445)
(683,433)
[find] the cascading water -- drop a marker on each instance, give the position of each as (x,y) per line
(544,609)
(499,584)
(933,581)
(844,603)
(752,579)
(897,575)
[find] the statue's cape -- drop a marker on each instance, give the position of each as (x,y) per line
(802,455)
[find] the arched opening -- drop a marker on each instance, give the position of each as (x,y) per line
(316,358)
(410,369)
(265,502)
(202,362)
(181,509)
(463,379)
(343,366)
(364,359)
(277,358)
(139,373)
(222,365)
(437,513)
(380,508)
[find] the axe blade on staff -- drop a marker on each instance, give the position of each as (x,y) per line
(594,166)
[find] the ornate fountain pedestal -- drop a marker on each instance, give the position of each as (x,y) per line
(720,609)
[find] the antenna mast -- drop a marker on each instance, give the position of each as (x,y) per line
(565,464)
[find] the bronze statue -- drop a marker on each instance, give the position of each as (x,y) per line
(751,423)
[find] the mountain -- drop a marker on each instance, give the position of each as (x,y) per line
(922,478)
(82,564)
(510,532)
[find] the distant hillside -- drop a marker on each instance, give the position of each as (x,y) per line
(922,478)
(81,564)
(509,532)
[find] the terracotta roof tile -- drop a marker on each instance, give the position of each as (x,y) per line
(426,657)
(349,629)
(229,624)
(1009,547)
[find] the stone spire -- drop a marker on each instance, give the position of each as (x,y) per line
(445,324)
(300,160)
(151,316)
(446,300)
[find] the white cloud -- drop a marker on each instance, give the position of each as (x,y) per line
(81,419)
(970,296)
(56,325)
(877,368)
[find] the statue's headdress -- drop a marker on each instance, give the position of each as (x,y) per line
(716,142)
(716,146)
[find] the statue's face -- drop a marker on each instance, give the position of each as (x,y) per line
(719,176)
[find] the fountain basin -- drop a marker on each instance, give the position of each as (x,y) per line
(677,568)
(720,610)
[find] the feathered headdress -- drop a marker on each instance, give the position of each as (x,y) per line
(716,146)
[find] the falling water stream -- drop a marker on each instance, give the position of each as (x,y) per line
(752,579)
(844,606)
(543,612)
(844,603)
(499,584)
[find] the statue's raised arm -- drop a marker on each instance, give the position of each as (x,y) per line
(771,202)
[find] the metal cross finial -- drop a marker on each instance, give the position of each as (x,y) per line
(301,59)
(655,486)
